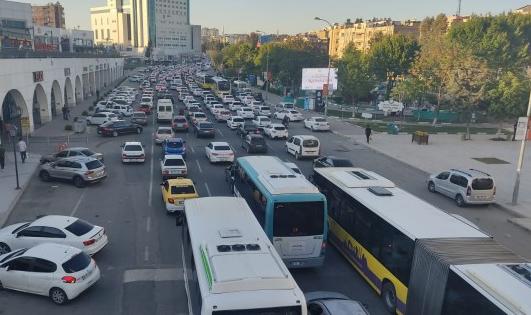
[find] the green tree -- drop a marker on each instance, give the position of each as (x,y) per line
(433,28)
(239,58)
(509,97)
(409,90)
(353,75)
(392,56)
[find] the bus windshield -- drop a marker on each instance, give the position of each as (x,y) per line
(298,219)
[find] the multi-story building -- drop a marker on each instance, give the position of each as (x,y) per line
(209,32)
(524,10)
(16,25)
(111,24)
(362,33)
(50,15)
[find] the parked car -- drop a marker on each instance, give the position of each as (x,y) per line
(292,115)
(163,133)
(219,152)
(332,303)
(175,192)
(173,166)
(139,118)
(262,121)
(253,143)
(464,186)
(303,146)
(316,123)
(71,152)
(174,146)
(133,152)
(204,129)
(80,170)
(59,271)
(235,122)
(119,127)
(179,123)
(124,110)
(331,161)
(276,131)
(53,229)
(101,118)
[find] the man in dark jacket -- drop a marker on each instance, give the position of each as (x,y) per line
(368,132)
(2,156)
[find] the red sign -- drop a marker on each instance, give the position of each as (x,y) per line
(270,76)
(325,89)
(38,76)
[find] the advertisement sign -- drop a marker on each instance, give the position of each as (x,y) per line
(38,76)
(390,106)
(521,128)
(316,78)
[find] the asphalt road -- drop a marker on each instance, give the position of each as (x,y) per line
(144,242)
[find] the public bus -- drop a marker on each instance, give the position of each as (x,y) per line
(221,85)
(240,85)
(204,81)
(290,209)
(420,259)
(231,267)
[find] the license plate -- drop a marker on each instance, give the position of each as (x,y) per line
(85,276)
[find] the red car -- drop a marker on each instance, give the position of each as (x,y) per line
(145,108)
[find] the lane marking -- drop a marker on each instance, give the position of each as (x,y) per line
(192,148)
(148,224)
(199,166)
(163,274)
(221,133)
(150,193)
(146,253)
(78,203)
(186,284)
(208,190)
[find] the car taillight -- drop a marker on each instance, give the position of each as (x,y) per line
(89,242)
(69,279)
(468,191)
(171,200)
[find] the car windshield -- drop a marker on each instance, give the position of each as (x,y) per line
(298,219)
(133,147)
(482,184)
(257,140)
(93,164)
(179,120)
(264,108)
(182,190)
(146,100)
(279,128)
(174,144)
(199,115)
(285,310)
(222,148)
(174,162)
(79,227)
(87,152)
(139,115)
(238,120)
(77,263)
(293,112)
(164,131)
(320,120)
(311,143)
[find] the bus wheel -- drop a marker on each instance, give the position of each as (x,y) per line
(389,297)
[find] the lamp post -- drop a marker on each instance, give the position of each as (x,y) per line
(329,62)
(15,114)
(521,157)
(267,70)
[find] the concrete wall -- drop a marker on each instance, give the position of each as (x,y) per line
(65,81)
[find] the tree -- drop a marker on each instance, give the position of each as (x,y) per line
(433,29)
(353,75)
(508,98)
(409,90)
(239,58)
(392,56)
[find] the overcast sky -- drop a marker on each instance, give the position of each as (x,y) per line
(296,16)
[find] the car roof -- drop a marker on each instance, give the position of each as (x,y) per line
(79,158)
(53,252)
(252,135)
(58,221)
(76,149)
(163,128)
(133,143)
(180,181)
(306,137)
(174,140)
(471,172)
(138,112)
(276,125)
(219,143)
(173,156)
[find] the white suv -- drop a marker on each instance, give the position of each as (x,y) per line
(276,131)
(133,152)
(464,186)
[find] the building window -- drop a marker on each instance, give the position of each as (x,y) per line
(96,33)
(108,33)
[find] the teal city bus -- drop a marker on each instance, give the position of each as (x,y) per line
(290,209)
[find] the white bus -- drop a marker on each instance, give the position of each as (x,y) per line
(420,259)
(231,267)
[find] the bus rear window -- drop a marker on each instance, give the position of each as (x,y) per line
(298,219)
(288,310)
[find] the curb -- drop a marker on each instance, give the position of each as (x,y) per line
(526,227)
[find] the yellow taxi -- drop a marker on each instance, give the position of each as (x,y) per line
(176,191)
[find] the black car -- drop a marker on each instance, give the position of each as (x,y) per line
(119,127)
(253,143)
(331,161)
(333,303)
(248,128)
(204,129)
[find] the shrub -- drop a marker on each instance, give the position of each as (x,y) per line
(68,127)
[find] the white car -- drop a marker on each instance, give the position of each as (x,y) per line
(147,100)
(303,146)
(216,107)
(293,115)
(133,152)
(162,133)
(276,131)
(219,152)
(172,166)
(227,99)
(234,122)
(197,117)
(245,113)
(101,118)
(263,110)
(124,110)
(59,271)
(222,115)
(262,121)
(316,123)
(56,229)
(235,106)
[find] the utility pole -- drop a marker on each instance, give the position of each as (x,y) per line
(328,87)
(458,8)
(521,156)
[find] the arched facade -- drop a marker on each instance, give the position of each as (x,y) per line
(40,108)
(78,90)
(15,112)
(56,98)
(69,93)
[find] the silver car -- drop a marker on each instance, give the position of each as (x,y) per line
(79,170)
(71,152)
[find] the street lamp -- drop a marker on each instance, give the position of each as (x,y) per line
(329,61)
(15,115)
(267,69)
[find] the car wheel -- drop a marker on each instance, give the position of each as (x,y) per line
(431,187)
(4,248)
(58,296)
(79,182)
(115,133)
(45,176)
(138,130)
(460,201)
(389,297)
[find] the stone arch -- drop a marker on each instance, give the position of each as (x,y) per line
(69,93)
(10,104)
(40,108)
(78,90)
(56,98)
(92,83)
(86,85)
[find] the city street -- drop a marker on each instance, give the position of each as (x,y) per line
(142,264)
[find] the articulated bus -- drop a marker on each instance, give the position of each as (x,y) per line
(221,85)
(420,259)
(204,81)
(290,209)
(231,267)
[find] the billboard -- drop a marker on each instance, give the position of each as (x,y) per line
(315,78)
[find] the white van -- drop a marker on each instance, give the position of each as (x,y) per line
(284,105)
(164,110)
(303,146)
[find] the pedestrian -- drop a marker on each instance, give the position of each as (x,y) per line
(22,147)
(368,132)
(65,117)
(67,113)
(2,156)
(285,121)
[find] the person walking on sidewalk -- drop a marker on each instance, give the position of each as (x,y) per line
(2,156)
(65,114)
(368,132)
(22,147)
